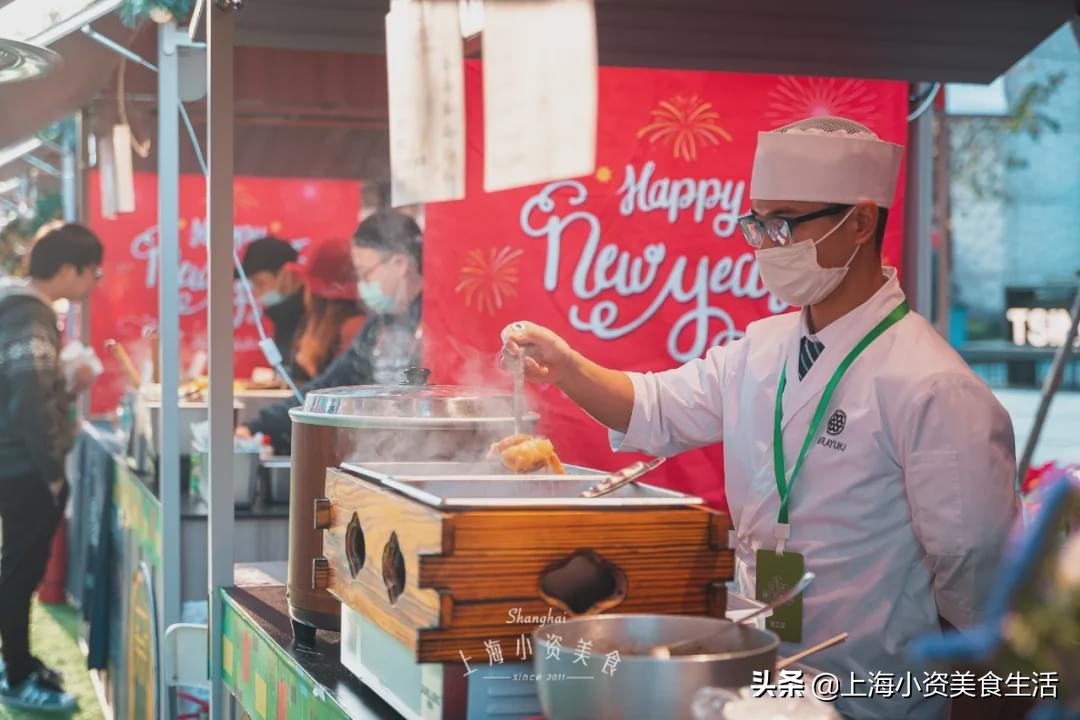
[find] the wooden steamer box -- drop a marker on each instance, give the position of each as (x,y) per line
(453,566)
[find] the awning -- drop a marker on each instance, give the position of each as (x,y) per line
(970,41)
(28,107)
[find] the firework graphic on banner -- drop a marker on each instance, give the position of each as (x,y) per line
(796,98)
(682,123)
(488,277)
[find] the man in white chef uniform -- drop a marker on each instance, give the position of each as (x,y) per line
(857,443)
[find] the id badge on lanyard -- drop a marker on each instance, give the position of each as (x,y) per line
(777,570)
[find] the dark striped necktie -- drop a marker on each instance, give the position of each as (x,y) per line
(809,350)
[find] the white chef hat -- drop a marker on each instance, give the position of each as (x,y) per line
(825,159)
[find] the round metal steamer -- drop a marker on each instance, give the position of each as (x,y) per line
(377,423)
(624,681)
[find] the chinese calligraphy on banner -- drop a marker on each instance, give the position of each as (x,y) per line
(640,266)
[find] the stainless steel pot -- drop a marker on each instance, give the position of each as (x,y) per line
(599,685)
(245,477)
(412,421)
(277,472)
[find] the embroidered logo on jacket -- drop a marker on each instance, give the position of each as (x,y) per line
(837,423)
(834,427)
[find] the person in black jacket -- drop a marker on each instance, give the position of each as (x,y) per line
(387,257)
(267,264)
(36,433)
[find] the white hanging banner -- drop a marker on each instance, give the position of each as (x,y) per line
(426,85)
(107,166)
(124,169)
(540,70)
(472,17)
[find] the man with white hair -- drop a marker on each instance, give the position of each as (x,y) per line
(857,443)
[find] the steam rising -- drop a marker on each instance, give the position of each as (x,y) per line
(420,439)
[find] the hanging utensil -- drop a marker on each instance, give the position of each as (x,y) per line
(124,359)
(623,477)
(517,369)
(823,645)
(519,393)
(666,651)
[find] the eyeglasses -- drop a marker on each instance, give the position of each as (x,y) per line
(367,273)
(781,230)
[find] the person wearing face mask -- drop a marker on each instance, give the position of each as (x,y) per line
(268,264)
(857,443)
(332,315)
(387,259)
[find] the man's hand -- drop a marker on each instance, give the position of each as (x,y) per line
(243,432)
(547,357)
(607,395)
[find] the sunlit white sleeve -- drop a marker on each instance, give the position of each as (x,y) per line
(959,463)
(676,410)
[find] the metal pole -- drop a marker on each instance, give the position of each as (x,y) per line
(117,48)
(195,146)
(68,171)
(79,152)
(919,205)
(168,146)
(219,69)
(39,164)
(76,327)
(1049,389)
(943,222)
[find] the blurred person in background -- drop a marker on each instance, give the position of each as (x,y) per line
(36,433)
(387,258)
(332,312)
(269,264)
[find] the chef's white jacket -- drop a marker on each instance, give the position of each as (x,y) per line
(902,514)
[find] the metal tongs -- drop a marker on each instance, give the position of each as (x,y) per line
(517,369)
(627,475)
(519,393)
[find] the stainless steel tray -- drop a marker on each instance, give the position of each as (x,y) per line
(470,485)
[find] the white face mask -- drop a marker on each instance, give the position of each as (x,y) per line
(272,298)
(792,272)
(375,298)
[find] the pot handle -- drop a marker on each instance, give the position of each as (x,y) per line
(415,376)
(823,645)
(323,513)
(321,574)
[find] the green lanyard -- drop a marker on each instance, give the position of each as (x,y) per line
(782,487)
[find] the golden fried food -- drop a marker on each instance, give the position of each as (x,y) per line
(498,448)
(526,454)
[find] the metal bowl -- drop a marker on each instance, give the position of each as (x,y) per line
(598,685)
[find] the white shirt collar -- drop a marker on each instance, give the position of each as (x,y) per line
(880,304)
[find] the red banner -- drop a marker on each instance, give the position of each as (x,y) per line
(640,266)
(126,301)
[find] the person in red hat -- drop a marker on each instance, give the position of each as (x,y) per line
(332,311)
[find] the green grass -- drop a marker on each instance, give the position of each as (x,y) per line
(54,637)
